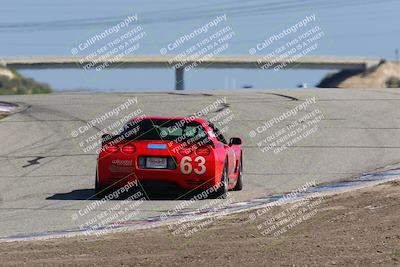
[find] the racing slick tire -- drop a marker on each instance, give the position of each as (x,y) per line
(98,189)
(239,183)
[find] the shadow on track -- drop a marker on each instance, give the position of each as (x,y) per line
(150,194)
(80,194)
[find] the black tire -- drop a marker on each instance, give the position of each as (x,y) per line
(99,190)
(223,188)
(239,183)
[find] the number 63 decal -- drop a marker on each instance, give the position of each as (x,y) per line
(186,166)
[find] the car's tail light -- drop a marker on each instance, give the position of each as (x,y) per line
(203,151)
(112,149)
(185,151)
(129,149)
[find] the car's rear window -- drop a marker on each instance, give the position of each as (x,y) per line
(179,130)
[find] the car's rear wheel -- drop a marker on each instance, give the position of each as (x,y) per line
(98,188)
(223,187)
(239,183)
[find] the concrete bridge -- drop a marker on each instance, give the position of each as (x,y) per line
(180,64)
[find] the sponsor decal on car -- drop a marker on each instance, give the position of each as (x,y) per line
(121,162)
(120,169)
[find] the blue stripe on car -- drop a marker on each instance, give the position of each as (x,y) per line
(157,146)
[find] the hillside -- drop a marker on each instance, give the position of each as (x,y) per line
(11,82)
(385,75)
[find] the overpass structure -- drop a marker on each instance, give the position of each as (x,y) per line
(180,64)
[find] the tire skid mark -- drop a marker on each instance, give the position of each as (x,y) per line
(56,130)
(34,161)
(46,156)
(285,96)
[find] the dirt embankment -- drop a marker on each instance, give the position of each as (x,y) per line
(385,75)
(11,82)
(3,114)
(358,228)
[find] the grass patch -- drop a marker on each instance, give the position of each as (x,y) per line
(3,114)
(396,253)
(393,82)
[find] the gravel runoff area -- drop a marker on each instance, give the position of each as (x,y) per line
(356,228)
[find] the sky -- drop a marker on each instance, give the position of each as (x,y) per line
(349,28)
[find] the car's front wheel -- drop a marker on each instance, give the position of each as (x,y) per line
(239,183)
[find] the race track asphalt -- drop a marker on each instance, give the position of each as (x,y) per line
(46,176)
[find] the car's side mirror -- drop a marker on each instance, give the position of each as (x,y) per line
(235,141)
(105,138)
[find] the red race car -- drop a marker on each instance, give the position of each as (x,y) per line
(188,152)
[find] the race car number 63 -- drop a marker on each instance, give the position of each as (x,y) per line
(186,166)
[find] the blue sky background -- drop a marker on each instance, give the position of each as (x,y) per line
(48,27)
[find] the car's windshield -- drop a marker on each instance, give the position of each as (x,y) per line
(218,133)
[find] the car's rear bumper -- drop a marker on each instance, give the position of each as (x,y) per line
(158,179)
